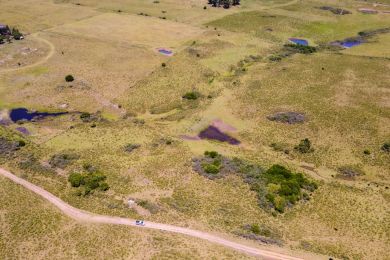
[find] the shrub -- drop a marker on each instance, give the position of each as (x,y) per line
(284,186)
(193,95)
(367,152)
(69,78)
(85,116)
(304,146)
(131,147)
(16,34)
(211,168)
(350,171)
(90,181)
(300,48)
(211,154)
(76,179)
(163,64)
(386,147)
(62,160)
(21,143)
(255,229)
(104,186)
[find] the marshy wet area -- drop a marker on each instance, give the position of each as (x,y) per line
(361,38)
(23,114)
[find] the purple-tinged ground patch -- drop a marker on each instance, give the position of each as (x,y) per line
(213,133)
(165,52)
(23,130)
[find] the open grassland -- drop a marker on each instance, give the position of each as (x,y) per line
(42,232)
(136,94)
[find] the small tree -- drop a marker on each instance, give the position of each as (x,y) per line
(69,78)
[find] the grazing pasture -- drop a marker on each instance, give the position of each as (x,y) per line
(131,116)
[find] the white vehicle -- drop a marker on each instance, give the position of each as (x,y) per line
(140,223)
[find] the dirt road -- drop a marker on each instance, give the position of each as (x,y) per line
(84,216)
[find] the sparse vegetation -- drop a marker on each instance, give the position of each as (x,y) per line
(62,160)
(131,147)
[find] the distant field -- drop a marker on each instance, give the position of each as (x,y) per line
(134,114)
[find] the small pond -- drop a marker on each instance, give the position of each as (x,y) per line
(165,52)
(299,41)
(23,114)
(350,44)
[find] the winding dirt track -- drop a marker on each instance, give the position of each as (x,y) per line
(84,216)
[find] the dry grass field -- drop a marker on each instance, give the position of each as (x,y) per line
(140,132)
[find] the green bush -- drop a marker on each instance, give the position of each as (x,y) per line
(211,154)
(76,179)
(255,229)
(85,116)
(90,181)
(193,95)
(16,34)
(288,186)
(104,186)
(300,48)
(304,146)
(69,78)
(386,147)
(211,168)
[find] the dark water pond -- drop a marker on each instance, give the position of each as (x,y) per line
(18,114)
(350,44)
(213,133)
(165,52)
(299,41)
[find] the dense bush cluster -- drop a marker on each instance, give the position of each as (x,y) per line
(89,181)
(276,187)
(284,188)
